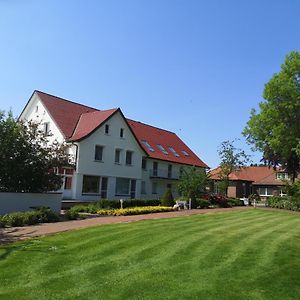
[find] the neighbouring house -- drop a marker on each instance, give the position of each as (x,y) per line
(262,180)
(113,157)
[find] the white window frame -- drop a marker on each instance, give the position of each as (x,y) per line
(95,149)
(265,192)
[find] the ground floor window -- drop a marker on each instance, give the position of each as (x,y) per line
(143,187)
(122,186)
(68,183)
(265,191)
(154,187)
(90,184)
(104,183)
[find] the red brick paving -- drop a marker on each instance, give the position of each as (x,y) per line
(21,233)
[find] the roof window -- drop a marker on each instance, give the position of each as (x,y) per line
(145,143)
(173,151)
(184,153)
(163,150)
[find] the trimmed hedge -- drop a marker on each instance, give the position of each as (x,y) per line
(134,211)
(18,219)
(127,203)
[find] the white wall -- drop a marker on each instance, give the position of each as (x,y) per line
(86,164)
(12,202)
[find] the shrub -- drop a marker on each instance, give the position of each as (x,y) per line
(219,201)
(46,215)
(107,204)
(14,219)
(167,199)
(31,218)
(134,210)
(291,203)
(202,203)
(72,213)
(235,202)
(2,223)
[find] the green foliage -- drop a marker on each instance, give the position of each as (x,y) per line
(291,203)
(167,199)
(40,215)
(134,210)
(202,203)
(275,130)
(253,197)
(232,159)
(235,202)
(72,213)
(26,159)
(192,183)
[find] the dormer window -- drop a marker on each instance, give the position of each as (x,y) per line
(106,129)
(145,143)
(184,153)
(173,151)
(282,176)
(162,149)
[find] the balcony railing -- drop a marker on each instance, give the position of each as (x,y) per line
(161,173)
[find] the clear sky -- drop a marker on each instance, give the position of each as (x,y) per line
(192,67)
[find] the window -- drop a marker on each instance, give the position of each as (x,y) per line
(90,184)
(282,176)
(143,187)
(122,186)
(173,151)
(98,153)
(145,143)
(106,129)
(163,150)
(68,183)
(36,109)
(129,157)
(118,156)
(144,163)
(169,171)
(46,128)
(282,192)
(184,153)
(155,168)
(265,191)
(154,187)
(104,181)
(121,133)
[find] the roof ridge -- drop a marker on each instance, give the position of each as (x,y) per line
(67,100)
(97,111)
(151,125)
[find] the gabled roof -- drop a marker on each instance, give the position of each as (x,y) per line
(155,136)
(89,122)
(64,112)
(77,121)
(251,173)
(270,180)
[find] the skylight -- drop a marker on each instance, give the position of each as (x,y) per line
(163,150)
(184,153)
(173,151)
(145,143)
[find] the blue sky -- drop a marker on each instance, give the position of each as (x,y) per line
(192,67)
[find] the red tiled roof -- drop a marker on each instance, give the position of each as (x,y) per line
(64,112)
(77,121)
(270,180)
(156,136)
(251,173)
(89,122)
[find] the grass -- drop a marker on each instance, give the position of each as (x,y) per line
(251,254)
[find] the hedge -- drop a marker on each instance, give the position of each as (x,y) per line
(134,211)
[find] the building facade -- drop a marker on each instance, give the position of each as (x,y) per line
(113,157)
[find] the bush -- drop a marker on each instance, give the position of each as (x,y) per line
(219,201)
(134,211)
(72,213)
(167,199)
(291,203)
(40,215)
(202,203)
(235,202)
(107,204)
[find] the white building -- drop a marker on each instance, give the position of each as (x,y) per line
(114,157)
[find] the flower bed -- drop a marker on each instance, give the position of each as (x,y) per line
(134,211)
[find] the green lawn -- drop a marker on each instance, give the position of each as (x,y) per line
(251,254)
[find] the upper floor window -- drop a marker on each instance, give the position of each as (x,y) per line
(129,157)
(106,129)
(121,132)
(163,150)
(143,187)
(46,128)
(118,156)
(98,153)
(36,108)
(144,163)
(169,171)
(184,153)
(173,151)
(145,143)
(282,176)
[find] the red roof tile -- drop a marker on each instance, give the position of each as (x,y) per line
(89,122)
(251,173)
(156,136)
(64,112)
(77,121)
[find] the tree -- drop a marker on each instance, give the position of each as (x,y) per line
(232,159)
(275,130)
(167,199)
(26,158)
(192,183)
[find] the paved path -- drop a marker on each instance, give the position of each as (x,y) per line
(20,233)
